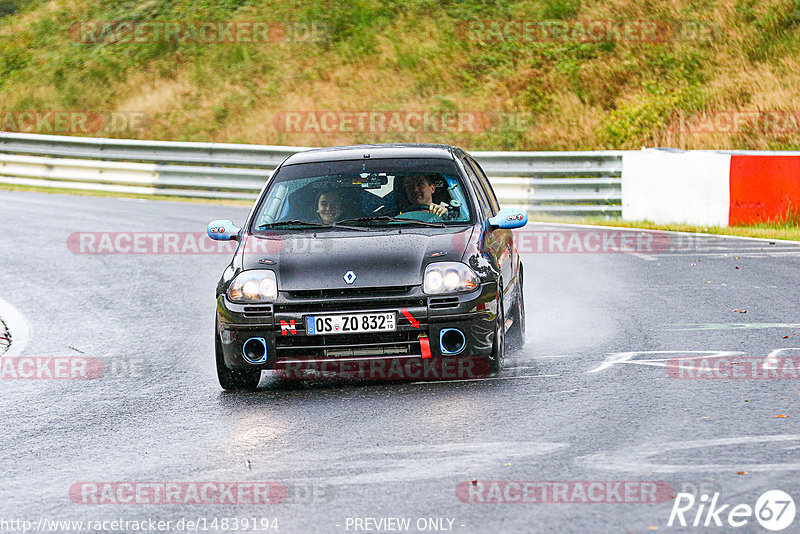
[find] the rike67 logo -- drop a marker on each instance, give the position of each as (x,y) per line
(774,510)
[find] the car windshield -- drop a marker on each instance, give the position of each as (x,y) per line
(379,192)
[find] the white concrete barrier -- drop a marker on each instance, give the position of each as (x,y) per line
(676,187)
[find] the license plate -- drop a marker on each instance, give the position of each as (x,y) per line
(350,323)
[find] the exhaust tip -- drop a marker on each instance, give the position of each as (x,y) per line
(452,341)
(254,350)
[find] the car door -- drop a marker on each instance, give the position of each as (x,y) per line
(495,241)
(504,239)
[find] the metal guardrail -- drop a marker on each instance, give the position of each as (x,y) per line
(543,182)
(168,152)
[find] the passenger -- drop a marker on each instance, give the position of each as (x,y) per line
(329,206)
(419,190)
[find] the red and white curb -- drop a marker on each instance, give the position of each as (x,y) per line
(709,188)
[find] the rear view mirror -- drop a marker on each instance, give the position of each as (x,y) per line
(371,180)
(509,218)
(220,230)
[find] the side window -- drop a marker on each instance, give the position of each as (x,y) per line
(486,185)
(479,192)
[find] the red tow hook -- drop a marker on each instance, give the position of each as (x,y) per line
(425,345)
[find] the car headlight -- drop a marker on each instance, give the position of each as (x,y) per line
(258,285)
(449,277)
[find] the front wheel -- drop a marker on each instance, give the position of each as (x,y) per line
(499,343)
(234,379)
(516,334)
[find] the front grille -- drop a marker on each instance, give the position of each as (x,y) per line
(349,292)
(374,303)
(348,345)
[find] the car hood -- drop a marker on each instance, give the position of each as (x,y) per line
(307,261)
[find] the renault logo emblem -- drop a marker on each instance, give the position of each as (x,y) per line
(349,277)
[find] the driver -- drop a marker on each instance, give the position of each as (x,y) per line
(419,190)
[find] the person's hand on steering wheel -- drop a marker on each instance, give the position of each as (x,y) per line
(436,209)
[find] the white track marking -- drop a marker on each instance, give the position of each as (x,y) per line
(482,379)
(639,458)
(754,255)
(627,357)
(633,229)
(645,257)
(731,326)
(17,327)
(543,393)
(772,361)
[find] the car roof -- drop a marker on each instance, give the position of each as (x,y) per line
(375,151)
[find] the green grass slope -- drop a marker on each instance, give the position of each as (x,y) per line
(562,93)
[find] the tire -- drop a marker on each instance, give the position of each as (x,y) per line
(499,343)
(516,334)
(234,379)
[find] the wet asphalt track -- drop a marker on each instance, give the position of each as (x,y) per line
(558,413)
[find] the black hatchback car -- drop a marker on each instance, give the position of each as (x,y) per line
(371,261)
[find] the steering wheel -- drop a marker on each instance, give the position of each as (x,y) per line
(419,212)
(416,207)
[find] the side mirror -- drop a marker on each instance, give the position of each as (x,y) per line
(508,218)
(220,230)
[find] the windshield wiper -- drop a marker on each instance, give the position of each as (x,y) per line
(293,222)
(308,224)
(388,218)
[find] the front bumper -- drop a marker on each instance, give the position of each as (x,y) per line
(281,326)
